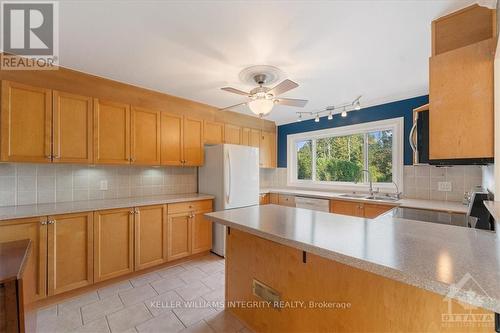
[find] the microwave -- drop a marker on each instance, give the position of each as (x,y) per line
(419,142)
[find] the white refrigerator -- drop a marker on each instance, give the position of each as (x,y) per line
(231,174)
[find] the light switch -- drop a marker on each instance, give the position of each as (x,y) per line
(103,185)
(444,186)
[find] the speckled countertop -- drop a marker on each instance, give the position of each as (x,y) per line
(494,209)
(445,206)
(426,255)
(15,212)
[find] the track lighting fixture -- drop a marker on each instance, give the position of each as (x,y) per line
(332,110)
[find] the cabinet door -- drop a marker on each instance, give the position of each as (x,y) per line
(371,211)
(232,134)
(145,136)
(113,243)
(193,142)
(72,128)
(350,208)
(286,200)
(202,233)
(171,139)
(26,123)
(461,91)
(254,140)
(179,235)
(274,198)
(111,132)
(245,136)
(35,229)
(150,236)
(213,132)
(267,150)
(264,199)
(70,252)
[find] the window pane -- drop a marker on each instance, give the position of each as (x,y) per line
(304,159)
(340,158)
(380,156)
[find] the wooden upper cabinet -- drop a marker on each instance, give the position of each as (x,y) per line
(111,132)
(232,134)
(113,243)
(193,142)
(70,252)
(245,136)
(254,138)
(201,233)
(26,123)
(213,132)
(171,139)
(150,236)
(461,116)
(467,26)
(145,136)
(35,274)
(72,128)
(267,153)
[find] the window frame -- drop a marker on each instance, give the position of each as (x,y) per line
(394,124)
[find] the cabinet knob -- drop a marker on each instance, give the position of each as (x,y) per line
(56,156)
(132,212)
(49,157)
(52,222)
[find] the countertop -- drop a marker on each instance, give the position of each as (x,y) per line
(430,256)
(445,206)
(494,209)
(24,211)
(13,258)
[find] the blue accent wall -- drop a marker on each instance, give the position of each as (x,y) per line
(403,108)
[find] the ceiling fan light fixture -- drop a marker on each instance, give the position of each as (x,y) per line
(316,119)
(261,106)
(330,116)
(357,107)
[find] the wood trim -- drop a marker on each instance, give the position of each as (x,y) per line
(80,83)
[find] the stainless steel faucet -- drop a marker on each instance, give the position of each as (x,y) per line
(397,195)
(369,179)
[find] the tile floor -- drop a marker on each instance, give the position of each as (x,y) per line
(184,298)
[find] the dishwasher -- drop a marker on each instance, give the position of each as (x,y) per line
(322,205)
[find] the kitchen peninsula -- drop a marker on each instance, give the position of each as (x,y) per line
(384,274)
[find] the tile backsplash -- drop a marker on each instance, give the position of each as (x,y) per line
(22,184)
(420,181)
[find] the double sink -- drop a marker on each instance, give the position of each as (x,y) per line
(373,197)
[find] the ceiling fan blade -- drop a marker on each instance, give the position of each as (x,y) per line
(232,106)
(235,91)
(300,103)
(283,87)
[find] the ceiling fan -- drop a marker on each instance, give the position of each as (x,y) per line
(262,99)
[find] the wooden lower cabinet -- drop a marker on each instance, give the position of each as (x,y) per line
(69,252)
(264,198)
(350,208)
(359,209)
(189,232)
(35,276)
(286,200)
(150,236)
(201,240)
(274,198)
(113,243)
(179,235)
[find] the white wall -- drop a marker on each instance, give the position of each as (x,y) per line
(22,184)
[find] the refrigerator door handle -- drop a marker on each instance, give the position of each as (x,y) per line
(228,194)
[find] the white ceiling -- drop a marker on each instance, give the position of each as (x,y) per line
(335,50)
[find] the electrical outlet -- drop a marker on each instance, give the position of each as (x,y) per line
(103,186)
(444,186)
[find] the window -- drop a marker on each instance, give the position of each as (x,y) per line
(336,157)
